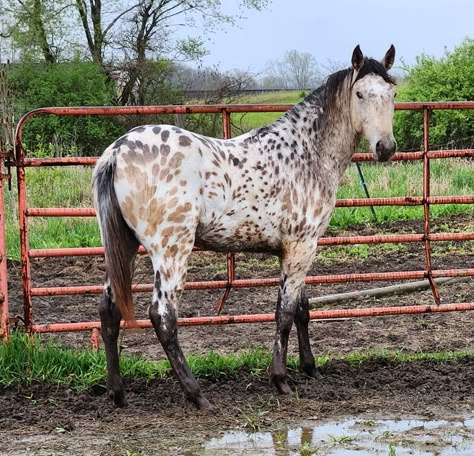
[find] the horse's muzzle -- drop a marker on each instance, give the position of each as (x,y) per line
(385,149)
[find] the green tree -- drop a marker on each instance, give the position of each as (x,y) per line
(63,84)
(37,28)
(450,78)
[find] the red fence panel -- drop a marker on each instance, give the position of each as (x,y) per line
(426,238)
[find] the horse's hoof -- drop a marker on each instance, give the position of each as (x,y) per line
(203,404)
(311,371)
(119,398)
(282,387)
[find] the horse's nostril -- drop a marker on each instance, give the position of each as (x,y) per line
(379,146)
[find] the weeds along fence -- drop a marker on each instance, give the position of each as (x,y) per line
(20,161)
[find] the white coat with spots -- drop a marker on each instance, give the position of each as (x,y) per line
(270,190)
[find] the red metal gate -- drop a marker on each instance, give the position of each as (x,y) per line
(25,213)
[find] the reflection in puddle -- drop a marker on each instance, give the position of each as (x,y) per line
(354,437)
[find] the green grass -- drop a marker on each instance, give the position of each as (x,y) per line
(247,121)
(448,177)
(52,187)
(283,97)
(25,360)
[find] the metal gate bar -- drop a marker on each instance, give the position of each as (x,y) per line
(267,282)
(342,240)
(265,318)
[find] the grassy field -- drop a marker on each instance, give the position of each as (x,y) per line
(448,177)
(24,360)
(247,121)
(53,187)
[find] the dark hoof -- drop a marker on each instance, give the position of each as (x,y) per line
(119,398)
(282,386)
(203,404)
(311,371)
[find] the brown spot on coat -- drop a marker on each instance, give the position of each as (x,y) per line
(171,252)
(176,160)
(127,208)
(179,215)
(184,141)
(172,202)
(164,173)
(164,150)
(156,214)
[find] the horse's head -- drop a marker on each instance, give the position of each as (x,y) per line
(372,102)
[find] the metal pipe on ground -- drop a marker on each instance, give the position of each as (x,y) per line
(385,291)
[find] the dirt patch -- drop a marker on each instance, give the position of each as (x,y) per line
(49,420)
(54,420)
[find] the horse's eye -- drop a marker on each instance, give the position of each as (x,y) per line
(359,95)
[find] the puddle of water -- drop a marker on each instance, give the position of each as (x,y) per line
(353,437)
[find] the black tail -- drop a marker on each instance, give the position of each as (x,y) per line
(115,233)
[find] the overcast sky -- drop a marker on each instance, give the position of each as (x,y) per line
(329,29)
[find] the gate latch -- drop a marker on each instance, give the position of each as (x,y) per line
(7,162)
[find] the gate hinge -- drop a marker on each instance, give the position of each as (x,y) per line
(7,161)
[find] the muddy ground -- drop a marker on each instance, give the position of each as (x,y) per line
(54,420)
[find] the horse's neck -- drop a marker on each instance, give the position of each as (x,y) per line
(329,134)
(337,145)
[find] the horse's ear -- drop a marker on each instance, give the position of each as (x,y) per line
(357,58)
(389,58)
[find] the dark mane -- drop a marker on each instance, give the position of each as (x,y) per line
(335,81)
(374,66)
(326,95)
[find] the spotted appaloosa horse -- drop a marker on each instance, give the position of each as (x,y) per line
(270,190)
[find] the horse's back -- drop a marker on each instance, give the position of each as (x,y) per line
(230,195)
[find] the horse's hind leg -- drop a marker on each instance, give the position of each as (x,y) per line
(307,363)
(295,262)
(169,282)
(110,328)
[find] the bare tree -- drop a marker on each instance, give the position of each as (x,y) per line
(297,70)
(97,33)
(332,66)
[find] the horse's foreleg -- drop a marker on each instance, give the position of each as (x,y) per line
(110,328)
(295,262)
(163,315)
(284,316)
(307,363)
